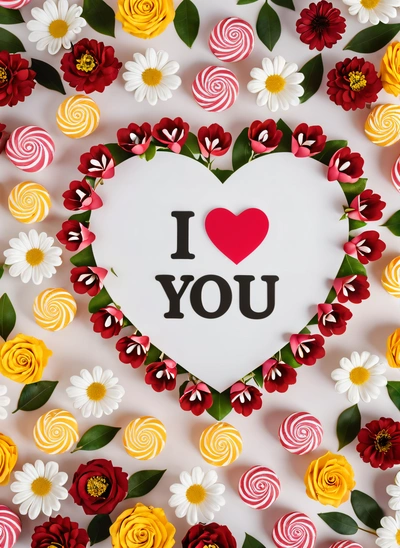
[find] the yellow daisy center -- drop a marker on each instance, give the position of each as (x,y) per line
(86,63)
(357,80)
(211,546)
(34,256)
(275,83)
(41,487)
(58,28)
(152,77)
(382,441)
(370,4)
(398,537)
(359,375)
(96,391)
(97,486)
(196,494)
(3,75)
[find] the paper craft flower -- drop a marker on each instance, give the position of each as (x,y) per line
(4,135)
(4,402)
(135,139)
(16,79)
(333,318)
(75,236)
(107,321)
(212,534)
(394,492)
(145,19)
(59,531)
(95,393)
(308,141)
(8,458)
(197,496)
(390,69)
(88,279)
(366,207)
(81,197)
(389,533)
(307,349)
(351,288)
(151,76)
(196,398)
(373,11)
(133,350)
(264,136)
(345,166)
(366,247)
(172,133)
(393,349)
(213,140)
(97,163)
(320,25)
(39,488)
(278,376)
(55,26)
(245,398)
(161,375)
(23,358)
(277,84)
(379,443)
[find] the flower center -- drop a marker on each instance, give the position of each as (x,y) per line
(370,4)
(382,441)
(34,256)
(357,80)
(97,486)
(196,494)
(359,375)
(41,487)
(275,83)
(398,537)
(152,77)
(3,75)
(58,28)
(96,391)
(86,63)
(211,546)
(319,23)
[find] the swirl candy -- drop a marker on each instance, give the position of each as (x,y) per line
(78,116)
(301,433)
(232,40)
(294,530)
(144,438)
(30,148)
(259,487)
(56,432)
(13,5)
(382,126)
(54,309)
(220,444)
(396,174)
(29,202)
(215,89)
(10,527)
(391,278)
(345,544)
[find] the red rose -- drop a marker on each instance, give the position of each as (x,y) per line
(366,247)
(367,206)
(133,350)
(345,166)
(213,140)
(196,398)
(135,139)
(205,536)
(308,141)
(264,136)
(172,133)
(88,279)
(161,375)
(61,532)
(379,443)
(107,321)
(16,79)
(352,288)
(3,137)
(245,398)
(307,349)
(333,318)
(90,66)
(320,25)
(81,197)
(97,163)
(75,236)
(98,486)
(278,376)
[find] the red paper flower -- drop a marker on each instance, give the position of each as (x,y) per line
(278,376)
(353,83)
(210,535)
(135,139)
(133,350)
(379,443)
(81,197)
(161,375)
(59,531)
(172,133)
(75,236)
(245,398)
(97,163)
(320,25)
(345,166)
(213,140)
(196,398)
(307,349)
(352,288)
(107,321)
(88,279)
(90,66)
(3,137)
(16,79)
(333,318)
(366,207)
(98,486)
(308,141)
(264,136)
(366,247)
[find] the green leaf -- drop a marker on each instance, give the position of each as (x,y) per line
(286,355)
(348,426)
(8,316)
(351,266)
(330,148)
(193,144)
(251,542)
(268,26)
(99,528)
(83,218)
(313,72)
(150,152)
(341,523)
(393,388)
(84,257)
(393,223)
(9,42)
(285,4)
(242,151)
(221,406)
(96,437)
(180,369)
(182,388)
(286,142)
(373,38)
(351,190)
(258,376)
(366,509)
(101,300)
(1,270)
(10,17)
(355,225)
(47,76)
(331,296)
(34,396)
(187,22)
(143,482)
(119,154)
(99,16)
(244,2)
(153,355)
(222,174)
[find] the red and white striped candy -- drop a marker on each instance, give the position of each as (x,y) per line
(10,527)
(232,40)
(294,530)
(345,544)
(30,148)
(301,433)
(396,174)
(13,4)
(259,487)
(215,89)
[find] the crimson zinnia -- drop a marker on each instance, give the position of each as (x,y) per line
(320,25)
(379,443)
(16,79)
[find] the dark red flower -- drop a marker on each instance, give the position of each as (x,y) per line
(98,486)
(81,196)
(367,206)
(135,139)
(210,535)
(75,236)
(264,136)
(245,398)
(345,166)
(278,376)
(90,66)
(308,141)
(3,137)
(366,247)
(320,25)
(307,349)
(353,83)
(196,398)
(107,321)
(16,79)
(172,133)
(88,279)
(333,318)
(161,375)
(213,140)
(133,350)
(97,163)
(59,531)
(353,288)
(379,443)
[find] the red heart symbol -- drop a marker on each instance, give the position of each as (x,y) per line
(236,236)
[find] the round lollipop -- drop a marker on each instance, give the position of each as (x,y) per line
(391,278)
(294,530)
(396,174)
(10,527)
(259,487)
(215,89)
(301,433)
(30,148)
(232,40)
(78,116)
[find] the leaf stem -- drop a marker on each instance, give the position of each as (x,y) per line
(367,531)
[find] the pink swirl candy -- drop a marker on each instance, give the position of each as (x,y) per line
(30,148)
(396,174)
(232,40)
(294,530)
(13,4)
(345,544)
(301,433)
(10,527)
(259,487)
(215,89)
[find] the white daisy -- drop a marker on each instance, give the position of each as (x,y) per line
(373,11)
(56,25)
(394,492)
(389,533)
(4,401)
(360,376)
(39,489)
(198,496)
(32,256)
(151,76)
(95,393)
(277,84)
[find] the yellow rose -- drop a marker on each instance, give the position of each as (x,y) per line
(330,479)
(8,458)
(23,359)
(393,349)
(142,527)
(390,69)
(145,18)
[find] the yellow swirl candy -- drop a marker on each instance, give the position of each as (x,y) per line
(144,438)
(29,202)
(220,444)
(54,309)
(78,116)
(56,432)
(391,278)
(382,126)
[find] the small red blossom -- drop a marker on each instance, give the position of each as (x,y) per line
(196,398)
(245,398)
(366,247)
(213,140)
(161,375)
(333,318)
(59,531)
(345,166)
(320,25)
(307,349)
(81,197)
(264,136)
(353,288)
(135,139)
(172,133)
(366,207)
(3,137)
(107,321)
(88,279)
(308,141)
(97,163)
(16,79)
(379,443)
(133,350)
(75,236)
(278,376)
(207,536)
